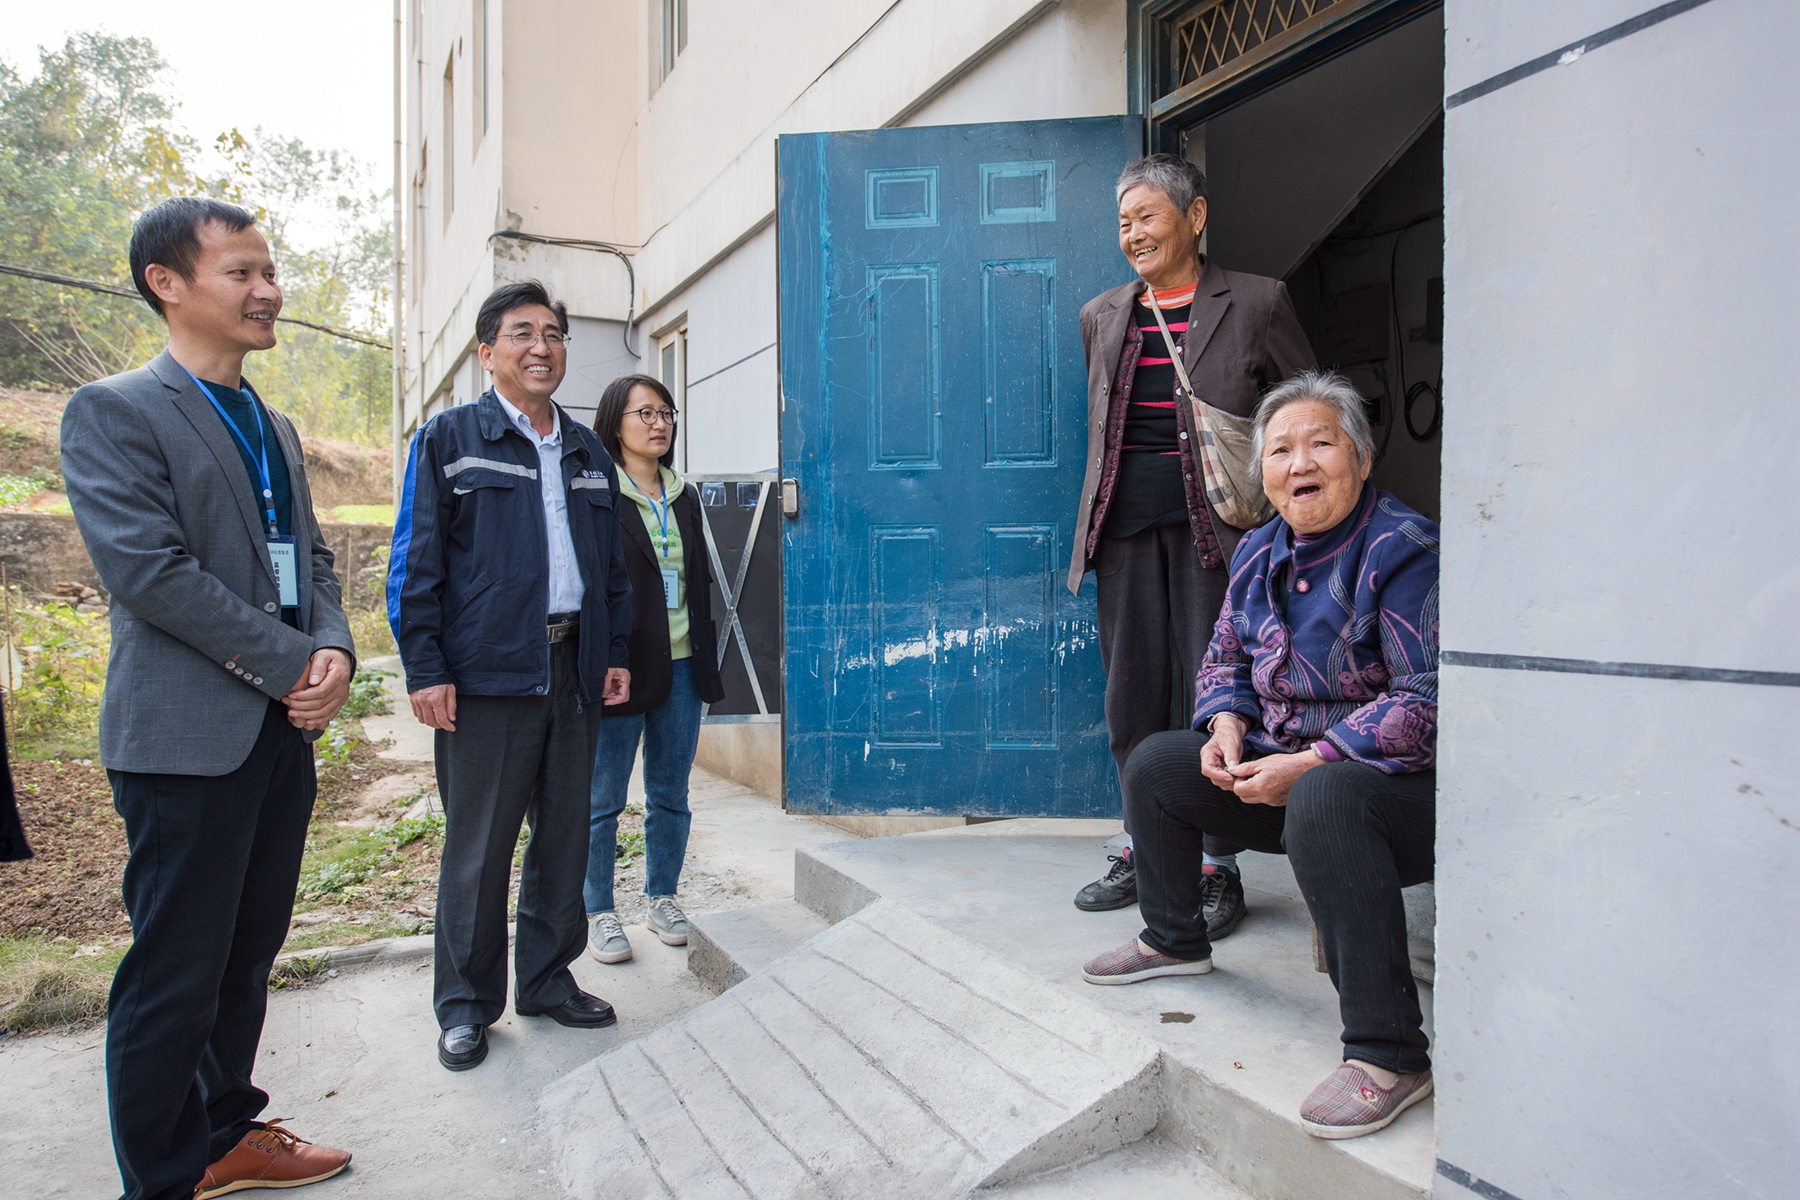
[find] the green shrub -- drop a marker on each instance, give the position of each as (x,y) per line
(16,490)
(367,697)
(55,709)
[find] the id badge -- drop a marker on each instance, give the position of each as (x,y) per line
(287,570)
(671,589)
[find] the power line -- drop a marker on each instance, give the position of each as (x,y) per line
(108,290)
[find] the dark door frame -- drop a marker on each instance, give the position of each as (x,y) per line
(1172,105)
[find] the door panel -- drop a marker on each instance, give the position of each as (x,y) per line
(934,416)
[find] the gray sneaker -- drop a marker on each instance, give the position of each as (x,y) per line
(606,938)
(668,921)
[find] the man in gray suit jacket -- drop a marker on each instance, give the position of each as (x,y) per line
(230,652)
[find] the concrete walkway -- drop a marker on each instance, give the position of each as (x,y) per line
(352,1059)
(987,908)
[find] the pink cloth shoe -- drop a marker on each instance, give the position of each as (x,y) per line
(1129,964)
(1350,1103)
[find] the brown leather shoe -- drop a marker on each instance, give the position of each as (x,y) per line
(270,1157)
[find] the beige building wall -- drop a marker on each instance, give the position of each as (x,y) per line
(587,139)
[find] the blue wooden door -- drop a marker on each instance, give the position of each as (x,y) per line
(934,400)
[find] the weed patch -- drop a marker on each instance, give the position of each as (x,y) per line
(47,985)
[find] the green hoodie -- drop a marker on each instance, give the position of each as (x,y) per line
(669,555)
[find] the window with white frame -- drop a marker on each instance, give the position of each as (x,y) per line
(671,351)
(674,33)
(448,157)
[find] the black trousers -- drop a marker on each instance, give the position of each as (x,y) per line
(210,889)
(513,759)
(1355,837)
(1158,606)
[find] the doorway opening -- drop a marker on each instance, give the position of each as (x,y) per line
(1333,182)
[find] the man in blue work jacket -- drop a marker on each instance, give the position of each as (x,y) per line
(509,600)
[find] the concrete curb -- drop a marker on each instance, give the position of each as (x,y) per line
(382,950)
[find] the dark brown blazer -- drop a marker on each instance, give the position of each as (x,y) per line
(652,670)
(1243,338)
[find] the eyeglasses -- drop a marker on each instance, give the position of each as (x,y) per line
(654,416)
(524,339)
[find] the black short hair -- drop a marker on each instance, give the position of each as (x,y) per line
(503,300)
(611,413)
(169,233)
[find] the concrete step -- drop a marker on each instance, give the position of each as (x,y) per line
(1241,1047)
(884,1057)
(1151,1169)
(725,948)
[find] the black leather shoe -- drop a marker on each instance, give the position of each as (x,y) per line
(462,1046)
(580,1011)
(1221,902)
(1117,890)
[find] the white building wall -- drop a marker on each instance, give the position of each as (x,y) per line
(1061,61)
(1619,853)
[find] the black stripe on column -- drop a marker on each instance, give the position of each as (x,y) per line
(1582,666)
(1642,21)
(1476,1184)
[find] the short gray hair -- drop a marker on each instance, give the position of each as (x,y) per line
(1328,388)
(1172,175)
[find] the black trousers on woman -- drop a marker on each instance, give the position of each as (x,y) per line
(1157,608)
(1355,837)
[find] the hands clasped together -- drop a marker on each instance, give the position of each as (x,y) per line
(320,691)
(1265,780)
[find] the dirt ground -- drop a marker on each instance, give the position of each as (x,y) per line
(71,888)
(30,427)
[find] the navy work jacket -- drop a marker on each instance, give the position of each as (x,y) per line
(469,574)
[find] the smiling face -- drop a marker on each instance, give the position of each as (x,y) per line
(1310,467)
(530,372)
(646,442)
(232,301)
(1160,241)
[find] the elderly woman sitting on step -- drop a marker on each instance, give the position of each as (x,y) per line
(1315,735)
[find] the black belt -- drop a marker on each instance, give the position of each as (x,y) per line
(560,627)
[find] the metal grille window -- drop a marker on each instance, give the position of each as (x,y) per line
(1200,57)
(1207,39)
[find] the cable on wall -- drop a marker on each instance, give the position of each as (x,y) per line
(617,252)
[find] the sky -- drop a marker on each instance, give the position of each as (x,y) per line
(321,71)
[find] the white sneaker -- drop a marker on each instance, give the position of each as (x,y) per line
(669,922)
(606,938)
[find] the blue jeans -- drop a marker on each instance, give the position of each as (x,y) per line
(670,735)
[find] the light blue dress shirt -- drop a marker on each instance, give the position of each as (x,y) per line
(566,588)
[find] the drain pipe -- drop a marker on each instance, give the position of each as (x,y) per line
(399,338)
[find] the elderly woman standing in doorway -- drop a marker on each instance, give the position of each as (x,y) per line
(1320,696)
(672,669)
(1157,547)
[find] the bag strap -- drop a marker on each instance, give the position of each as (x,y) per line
(1174,354)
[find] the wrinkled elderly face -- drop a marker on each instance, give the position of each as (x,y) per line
(1310,467)
(1161,241)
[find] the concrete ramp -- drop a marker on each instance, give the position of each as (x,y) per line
(885,1057)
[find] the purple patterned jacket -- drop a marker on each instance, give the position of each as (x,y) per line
(1332,644)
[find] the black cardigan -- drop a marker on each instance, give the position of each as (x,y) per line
(652,670)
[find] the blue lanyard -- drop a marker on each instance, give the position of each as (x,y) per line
(662,514)
(262,460)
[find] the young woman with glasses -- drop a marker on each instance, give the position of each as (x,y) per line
(673,665)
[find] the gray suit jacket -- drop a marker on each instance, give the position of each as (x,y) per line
(169,518)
